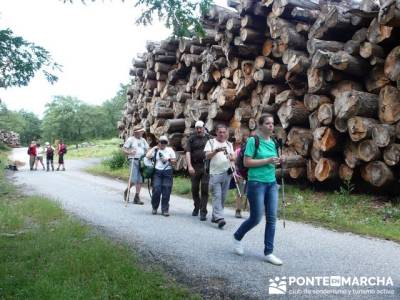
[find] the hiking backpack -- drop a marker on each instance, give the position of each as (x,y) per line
(241,169)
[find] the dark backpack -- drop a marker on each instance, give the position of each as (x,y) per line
(241,169)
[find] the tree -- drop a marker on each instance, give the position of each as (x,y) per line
(20,60)
(25,123)
(113,110)
(180,15)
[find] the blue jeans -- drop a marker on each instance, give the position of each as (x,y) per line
(262,197)
(162,187)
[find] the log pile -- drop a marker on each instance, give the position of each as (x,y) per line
(328,72)
(9,138)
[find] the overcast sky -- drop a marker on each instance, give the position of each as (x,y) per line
(95,43)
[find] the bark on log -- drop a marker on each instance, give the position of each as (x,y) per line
(301,140)
(376,80)
(312,101)
(377,173)
(345,172)
(293,112)
(263,62)
(368,49)
(311,170)
(313,120)
(389,105)
(392,64)
(355,103)
(315,44)
(349,64)
(174,125)
(377,32)
(350,154)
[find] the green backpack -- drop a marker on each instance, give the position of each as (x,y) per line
(147,166)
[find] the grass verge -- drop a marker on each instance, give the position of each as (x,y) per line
(99,148)
(47,254)
(339,210)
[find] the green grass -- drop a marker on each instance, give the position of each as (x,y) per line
(99,148)
(47,254)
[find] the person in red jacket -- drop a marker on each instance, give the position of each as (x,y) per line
(61,150)
(32,154)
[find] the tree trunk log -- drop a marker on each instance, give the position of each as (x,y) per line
(325,113)
(350,154)
(368,151)
(326,169)
(312,101)
(174,125)
(355,103)
(326,139)
(300,139)
(377,32)
(349,64)
(345,172)
(377,174)
(293,112)
(360,128)
(383,134)
(311,170)
(389,105)
(376,80)
(391,155)
(392,64)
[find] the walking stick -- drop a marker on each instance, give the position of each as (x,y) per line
(283,183)
(129,184)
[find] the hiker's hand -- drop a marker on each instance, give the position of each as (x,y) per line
(191,171)
(282,159)
(274,160)
(133,152)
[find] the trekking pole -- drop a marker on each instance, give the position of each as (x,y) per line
(283,183)
(129,183)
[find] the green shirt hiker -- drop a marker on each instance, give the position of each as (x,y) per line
(266,149)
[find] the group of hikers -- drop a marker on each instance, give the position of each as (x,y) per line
(214,166)
(37,153)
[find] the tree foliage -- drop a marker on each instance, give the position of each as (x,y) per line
(27,124)
(73,120)
(20,60)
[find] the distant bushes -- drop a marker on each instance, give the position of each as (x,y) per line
(116,161)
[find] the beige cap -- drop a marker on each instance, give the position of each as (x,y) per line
(163,138)
(138,128)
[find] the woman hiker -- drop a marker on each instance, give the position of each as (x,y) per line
(162,180)
(261,157)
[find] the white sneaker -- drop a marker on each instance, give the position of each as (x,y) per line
(237,247)
(272,259)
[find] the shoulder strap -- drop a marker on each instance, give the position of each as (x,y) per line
(256,145)
(276,143)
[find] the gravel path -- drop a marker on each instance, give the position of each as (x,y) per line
(204,254)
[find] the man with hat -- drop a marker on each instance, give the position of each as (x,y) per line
(135,147)
(195,160)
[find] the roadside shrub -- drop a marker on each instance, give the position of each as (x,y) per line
(116,161)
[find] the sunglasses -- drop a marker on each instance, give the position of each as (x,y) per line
(163,142)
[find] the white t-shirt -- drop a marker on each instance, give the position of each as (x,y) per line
(167,153)
(220,162)
(140,145)
(41,151)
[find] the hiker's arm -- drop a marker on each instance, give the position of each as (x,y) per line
(211,154)
(250,162)
(150,153)
(188,160)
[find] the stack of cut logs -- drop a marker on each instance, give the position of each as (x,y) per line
(329,73)
(9,138)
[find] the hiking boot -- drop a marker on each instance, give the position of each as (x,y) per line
(165,213)
(58,169)
(237,247)
(272,259)
(214,220)
(63,169)
(154,211)
(203,217)
(195,212)
(238,214)
(221,223)
(137,200)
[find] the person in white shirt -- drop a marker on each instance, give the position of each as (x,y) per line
(165,158)
(39,157)
(135,147)
(220,154)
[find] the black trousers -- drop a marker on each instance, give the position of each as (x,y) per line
(200,180)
